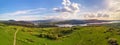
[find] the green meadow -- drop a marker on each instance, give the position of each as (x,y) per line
(88,35)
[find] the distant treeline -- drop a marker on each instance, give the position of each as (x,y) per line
(28,24)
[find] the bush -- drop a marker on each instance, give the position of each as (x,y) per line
(112,41)
(52,36)
(55,33)
(30,40)
(66,32)
(49,36)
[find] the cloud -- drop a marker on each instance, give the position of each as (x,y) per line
(113,5)
(25,12)
(96,15)
(31,14)
(113,9)
(23,17)
(68,10)
(68,7)
(18,13)
(71,10)
(111,12)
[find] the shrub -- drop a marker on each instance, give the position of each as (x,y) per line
(112,41)
(30,40)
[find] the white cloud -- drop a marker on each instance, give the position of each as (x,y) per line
(111,12)
(68,6)
(113,9)
(25,12)
(18,12)
(69,10)
(32,14)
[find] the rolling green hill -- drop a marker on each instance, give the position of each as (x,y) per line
(89,35)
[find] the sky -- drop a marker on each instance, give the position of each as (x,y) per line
(59,9)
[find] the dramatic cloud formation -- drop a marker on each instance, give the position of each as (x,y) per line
(114,8)
(68,7)
(111,12)
(68,11)
(104,10)
(71,10)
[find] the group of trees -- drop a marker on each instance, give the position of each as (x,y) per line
(18,23)
(45,25)
(27,24)
(55,33)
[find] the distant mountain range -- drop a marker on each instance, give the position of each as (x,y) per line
(60,21)
(69,21)
(80,21)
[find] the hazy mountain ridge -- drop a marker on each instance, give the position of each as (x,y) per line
(70,21)
(51,21)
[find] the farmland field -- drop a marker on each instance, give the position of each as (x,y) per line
(88,35)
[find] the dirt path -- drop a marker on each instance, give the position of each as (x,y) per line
(14,42)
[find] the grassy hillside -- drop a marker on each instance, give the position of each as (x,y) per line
(90,35)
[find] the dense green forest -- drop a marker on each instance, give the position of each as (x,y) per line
(108,34)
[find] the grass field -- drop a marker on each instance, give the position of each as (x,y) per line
(89,35)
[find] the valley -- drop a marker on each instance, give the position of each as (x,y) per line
(78,35)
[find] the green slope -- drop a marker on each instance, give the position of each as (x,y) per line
(90,35)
